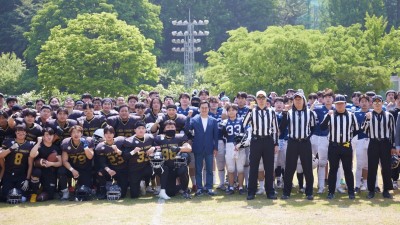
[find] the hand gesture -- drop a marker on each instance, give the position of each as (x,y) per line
(368,115)
(330,112)
(39,140)
(190,113)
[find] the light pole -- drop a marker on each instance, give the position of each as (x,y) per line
(189,40)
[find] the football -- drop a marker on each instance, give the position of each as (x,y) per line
(52,157)
(39,163)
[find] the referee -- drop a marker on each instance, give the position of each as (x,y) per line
(342,126)
(264,144)
(301,122)
(379,125)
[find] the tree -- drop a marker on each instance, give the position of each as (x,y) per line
(11,70)
(97,53)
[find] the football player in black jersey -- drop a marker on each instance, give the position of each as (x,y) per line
(61,125)
(77,154)
(172,144)
(107,109)
(170,115)
(73,114)
(140,109)
(91,122)
(136,152)
(33,130)
(45,171)
(18,165)
(154,110)
(123,123)
(110,162)
(44,116)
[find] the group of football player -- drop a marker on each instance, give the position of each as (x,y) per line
(98,148)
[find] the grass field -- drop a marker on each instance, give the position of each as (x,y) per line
(220,209)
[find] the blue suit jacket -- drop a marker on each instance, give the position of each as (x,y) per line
(203,142)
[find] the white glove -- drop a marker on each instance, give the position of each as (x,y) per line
(25,185)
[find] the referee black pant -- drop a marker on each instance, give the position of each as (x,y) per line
(294,150)
(379,151)
(336,153)
(261,148)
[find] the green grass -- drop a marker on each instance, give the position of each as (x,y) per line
(220,209)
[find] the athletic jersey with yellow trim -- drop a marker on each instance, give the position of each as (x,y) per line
(139,160)
(76,154)
(166,144)
(17,161)
(90,126)
(105,155)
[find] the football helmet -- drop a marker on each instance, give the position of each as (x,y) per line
(157,161)
(83,193)
(181,159)
(395,161)
(14,196)
(98,136)
(241,139)
(113,193)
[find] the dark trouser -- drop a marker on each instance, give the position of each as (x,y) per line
(379,151)
(85,177)
(163,174)
(336,153)
(48,180)
(121,177)
(294,150)
(182,173)
(199,158)
(261,148)
(11,181)
(135,176)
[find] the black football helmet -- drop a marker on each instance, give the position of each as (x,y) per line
(182,159)
(83,193)
(157,161)
(395,161)
(113,192)
(98,136)
(14,196)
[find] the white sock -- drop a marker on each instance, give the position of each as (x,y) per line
(262,184)
(246,175)
(204,177)
(193,179)
(221,175)
(321,176)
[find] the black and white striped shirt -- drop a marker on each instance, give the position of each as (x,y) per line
(263,122)
(342,126)
(300,122)
(380,126)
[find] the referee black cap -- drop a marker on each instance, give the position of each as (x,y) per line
(340,99)
(377,98)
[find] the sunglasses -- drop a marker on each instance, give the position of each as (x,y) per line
(260,97)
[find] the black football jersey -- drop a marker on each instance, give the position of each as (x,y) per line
(90,126)
(54,124)
(125,129)
(105,155)
(75,114)
(17,161)
(76,154)
(167,143)
(179,123)
(6,133)
(33,132)
(42,123)
(45,151)
(139,160)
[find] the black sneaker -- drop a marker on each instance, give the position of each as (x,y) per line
(352,196)
(242,191)
(371,195)
(198,193)
(250,197)
(285,197)
(230,191)
(272,196)
(377,190)
(330,196)
(386,194)
(357,190)
(310,197)
(211,192)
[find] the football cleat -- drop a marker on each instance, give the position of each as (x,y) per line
(230,191)
(261,191)
(340,190)
(386,194)
(242,191)
(321,190)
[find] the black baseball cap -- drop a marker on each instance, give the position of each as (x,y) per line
(340,99)
(377,98)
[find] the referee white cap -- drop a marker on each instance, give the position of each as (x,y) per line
(261,93)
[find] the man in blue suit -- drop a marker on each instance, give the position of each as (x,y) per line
(205,145)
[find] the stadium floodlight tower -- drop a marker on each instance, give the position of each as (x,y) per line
(188,38)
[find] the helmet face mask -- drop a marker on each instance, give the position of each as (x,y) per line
(14,196)
(181,160)
(83,193)
(114,193)
(157,160)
